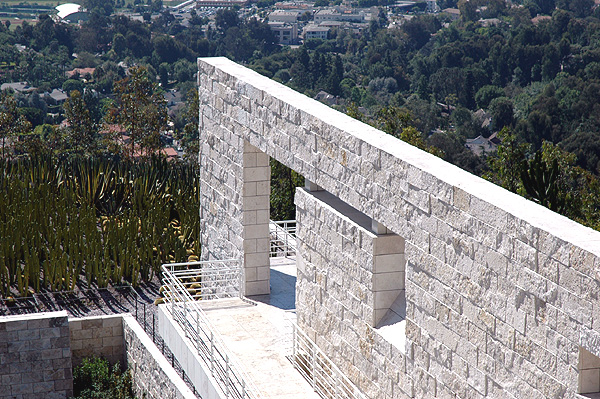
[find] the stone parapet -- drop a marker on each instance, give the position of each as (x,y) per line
(37,352)
(152,375)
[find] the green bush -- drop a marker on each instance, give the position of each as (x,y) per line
(94,379)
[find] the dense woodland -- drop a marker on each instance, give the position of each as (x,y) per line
(528,69)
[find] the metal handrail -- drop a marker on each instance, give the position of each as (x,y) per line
(315,366)
(283,238)
(209,345)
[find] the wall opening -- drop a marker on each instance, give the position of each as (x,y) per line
(589,374)
(389,285)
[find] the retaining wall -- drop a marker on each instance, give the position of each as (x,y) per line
(37,352)
(194,366)
(501,293)
(35,356)
(97,336)
(153,377)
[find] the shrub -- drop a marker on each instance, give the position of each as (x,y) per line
(94,379)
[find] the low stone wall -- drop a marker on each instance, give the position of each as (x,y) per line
(152,375)
(97,336)
(37,353)
(35,356)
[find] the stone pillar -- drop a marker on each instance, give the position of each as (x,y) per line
(256,189)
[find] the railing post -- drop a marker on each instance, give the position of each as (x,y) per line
(286,240)
(197,331)
(212,353)
(294,343)
(185,318)
(314,367)
(227,380)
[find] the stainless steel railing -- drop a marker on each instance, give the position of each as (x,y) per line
(324,376)
(214,279)
(283,238)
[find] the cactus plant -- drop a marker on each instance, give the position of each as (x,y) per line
(96,220)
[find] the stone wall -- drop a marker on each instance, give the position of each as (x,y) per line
(97,336)
(194,365)
(337,288)
(501,293)
(35,356)
(153,377)
(37,352)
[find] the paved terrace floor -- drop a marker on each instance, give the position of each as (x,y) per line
(260,335)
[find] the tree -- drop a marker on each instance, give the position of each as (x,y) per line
(502,112)
(468,10)
(11,123)
(225,19)
(581,8)
(507,164)
(397,123)
(102,7)
(141,110)
(72,84)
(163,72)
(486,94)
(119,44)
(283,186)
(190,131)
(81,130)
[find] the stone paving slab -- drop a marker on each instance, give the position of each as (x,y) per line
(259,334)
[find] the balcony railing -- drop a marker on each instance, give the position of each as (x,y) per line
(325,377)
(184,284)
(283,238)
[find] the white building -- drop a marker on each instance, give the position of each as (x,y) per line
(286,33)
(316,32)
(345,15)
(284,16)
(71,12)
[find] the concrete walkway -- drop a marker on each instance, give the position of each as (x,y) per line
(259,335)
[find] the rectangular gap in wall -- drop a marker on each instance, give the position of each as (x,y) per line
(389,285)
(589,374)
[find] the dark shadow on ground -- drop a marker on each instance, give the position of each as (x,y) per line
(283,291)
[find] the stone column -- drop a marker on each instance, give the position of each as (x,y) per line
(256,188)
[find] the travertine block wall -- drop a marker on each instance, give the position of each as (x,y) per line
(255,216)
(97,336)
(35,356)
(152,375)
(501,293)
(337,288)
